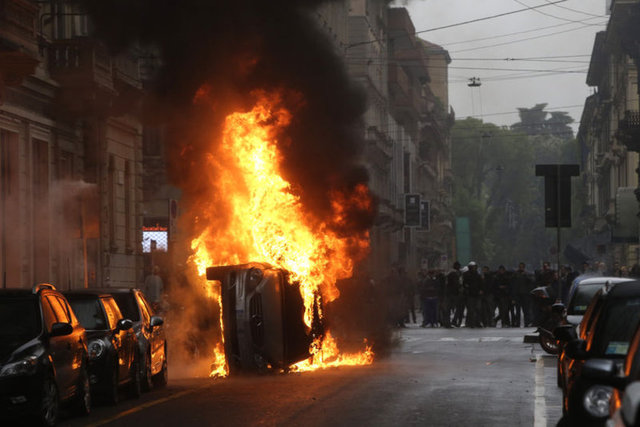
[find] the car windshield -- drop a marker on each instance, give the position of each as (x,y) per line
(19,319)
(620,320)
(582,297)
(89,313)
(127,304)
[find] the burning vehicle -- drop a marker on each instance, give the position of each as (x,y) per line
(263,317)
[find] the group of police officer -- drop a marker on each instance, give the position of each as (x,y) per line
(468,297)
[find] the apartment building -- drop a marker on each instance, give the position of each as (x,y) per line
(70,152)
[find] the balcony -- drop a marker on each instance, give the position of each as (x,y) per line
(85,71)
(18,42)
(629,130)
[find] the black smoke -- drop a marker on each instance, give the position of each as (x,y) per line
(234,48)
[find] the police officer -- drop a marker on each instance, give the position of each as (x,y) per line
(472,288)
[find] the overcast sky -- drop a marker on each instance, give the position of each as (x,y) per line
(559,37)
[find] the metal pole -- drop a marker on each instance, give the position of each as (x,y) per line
(558,186)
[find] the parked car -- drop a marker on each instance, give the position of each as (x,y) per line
(43,355)
(605,333)
(112,344)
(152,343)
(262,317)
(582,291)
(580,295)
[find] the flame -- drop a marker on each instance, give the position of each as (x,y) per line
(253,214)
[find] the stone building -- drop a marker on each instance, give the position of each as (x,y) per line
(406,128)
(609,138)
(70,152)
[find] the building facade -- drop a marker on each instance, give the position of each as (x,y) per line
(70,152)
(609,138)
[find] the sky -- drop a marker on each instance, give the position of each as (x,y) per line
(552,43)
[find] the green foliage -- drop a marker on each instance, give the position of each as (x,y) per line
(496,187)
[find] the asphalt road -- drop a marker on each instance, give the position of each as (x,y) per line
(435,377)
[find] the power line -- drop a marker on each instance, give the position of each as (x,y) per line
(547,14)
(578,11)
(523,40)
(461,23)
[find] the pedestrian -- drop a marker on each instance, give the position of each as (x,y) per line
(154,288)
(444,310)
(455,299)
(504,294)
(472,289)
(522,287)
(488,298)
(429,295)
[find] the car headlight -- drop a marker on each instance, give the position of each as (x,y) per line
(26,366)
(596,400)
(96,349)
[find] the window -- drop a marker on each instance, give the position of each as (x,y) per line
(145,312)
(59,310)
(89,312)
(47,314)
(113,313)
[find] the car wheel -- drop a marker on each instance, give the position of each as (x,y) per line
(162,378)
(112,393)
(147,377)
(48,414)
(83,394)
(548,344)
(135,386)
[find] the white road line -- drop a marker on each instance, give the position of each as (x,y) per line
(540,409)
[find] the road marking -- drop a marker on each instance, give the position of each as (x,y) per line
(540,409)
(145,406)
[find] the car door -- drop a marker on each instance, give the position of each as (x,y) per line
(60,347)
(126,339)
(77,339)
(156,341)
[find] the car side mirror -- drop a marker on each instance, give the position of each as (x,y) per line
(156,321)
(577,349)
(124,324)
(565,333)
(60,329)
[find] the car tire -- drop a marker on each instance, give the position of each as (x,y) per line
(135,385)
(113,395)
(548,344)
(162,378)
(82,404)
(49,403)
(147,377)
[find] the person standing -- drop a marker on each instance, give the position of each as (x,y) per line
(455,299)
(154,288)
(503,292)
(472,289)
(522,286)
(488,304)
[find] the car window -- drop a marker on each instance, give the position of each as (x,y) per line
(72,315)
(582,297)
(589,317)
(146,304)
(48,315)
(144,308)
(619,321)
(60,311)
(19,320)
(89,312)
(112,310)
(127,304)
(632,361)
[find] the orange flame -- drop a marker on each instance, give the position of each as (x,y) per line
(254,215)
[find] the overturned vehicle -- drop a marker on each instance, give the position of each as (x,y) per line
(262,314)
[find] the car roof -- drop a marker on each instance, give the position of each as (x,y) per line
(119,290)
(623,290)
(602,280)
(86,293)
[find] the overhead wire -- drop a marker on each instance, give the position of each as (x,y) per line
(547,14)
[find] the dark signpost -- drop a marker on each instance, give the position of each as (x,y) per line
(557,198)
(412,210)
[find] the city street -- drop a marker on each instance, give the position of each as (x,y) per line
(435,377)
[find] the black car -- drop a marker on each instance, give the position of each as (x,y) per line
(152,343)
(605,333)
(262,317)
(43,355)
(112,344)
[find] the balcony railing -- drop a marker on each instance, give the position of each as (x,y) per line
(81,62)
(629,130)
